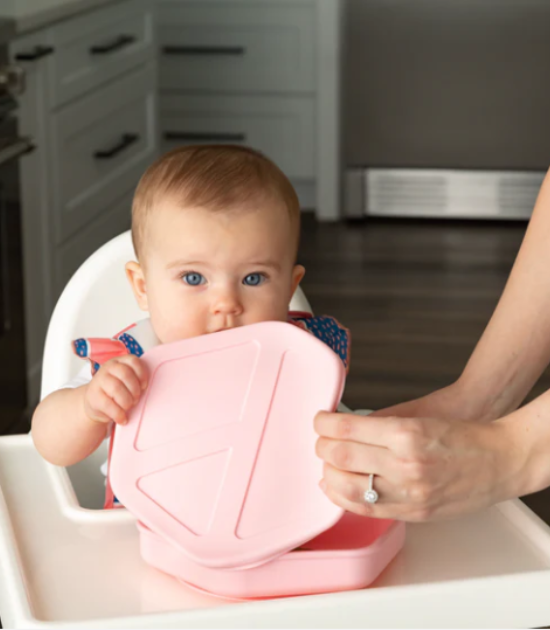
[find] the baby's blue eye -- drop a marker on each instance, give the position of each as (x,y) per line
(254,279)
(194,279)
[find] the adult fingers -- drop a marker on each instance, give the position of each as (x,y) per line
(350,427)
(358,458)
(407,438)
(394,501)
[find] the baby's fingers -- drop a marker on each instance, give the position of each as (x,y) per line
(106,410)
(118,392)
(125,373)
(138,367)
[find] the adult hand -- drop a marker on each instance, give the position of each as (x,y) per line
(454,402)
(424,468)
(427,469)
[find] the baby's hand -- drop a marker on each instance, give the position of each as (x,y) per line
(115,389)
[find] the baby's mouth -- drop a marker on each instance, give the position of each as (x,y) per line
(217,330)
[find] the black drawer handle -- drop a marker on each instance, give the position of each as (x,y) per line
(120,42)
(14,150)
(127,140)
(204,137)
(37,53)
(204,50)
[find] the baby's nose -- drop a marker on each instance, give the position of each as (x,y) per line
(227,302)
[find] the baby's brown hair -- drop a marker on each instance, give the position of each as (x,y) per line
(214,177)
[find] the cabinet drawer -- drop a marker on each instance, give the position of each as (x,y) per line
(237,45)
(280,127)
(95,48)
(100,146)
(116,218)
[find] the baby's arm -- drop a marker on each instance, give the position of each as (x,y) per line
(69,424)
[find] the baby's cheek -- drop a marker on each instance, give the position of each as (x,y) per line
(188,325)
(277,311)
(165,327)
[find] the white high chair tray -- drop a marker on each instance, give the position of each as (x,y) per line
(62,565)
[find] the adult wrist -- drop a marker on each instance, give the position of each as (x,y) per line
(526,434)
(480,400)
(511,459)
(463,400)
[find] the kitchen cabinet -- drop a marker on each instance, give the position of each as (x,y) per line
(90,106)
(264,73)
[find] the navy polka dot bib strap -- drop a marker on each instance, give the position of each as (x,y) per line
(326,329)
(131,344)
(99,350)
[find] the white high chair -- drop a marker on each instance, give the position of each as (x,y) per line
(63,564)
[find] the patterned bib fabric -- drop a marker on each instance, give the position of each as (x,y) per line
(138,338)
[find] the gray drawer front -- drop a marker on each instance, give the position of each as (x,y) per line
(280,127)
(97,47)
(237,45)
(116,218)
(101,146)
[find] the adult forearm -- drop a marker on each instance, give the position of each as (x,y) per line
(61,431)
(515,347)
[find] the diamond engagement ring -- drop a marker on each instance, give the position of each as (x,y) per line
(371,496)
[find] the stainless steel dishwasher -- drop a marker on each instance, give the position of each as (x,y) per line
(447,107)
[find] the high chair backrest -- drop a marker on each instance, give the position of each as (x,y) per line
(98,302)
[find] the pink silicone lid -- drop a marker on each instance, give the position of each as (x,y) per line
(219,456)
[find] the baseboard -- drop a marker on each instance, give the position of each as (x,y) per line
(442,193)
(307,193)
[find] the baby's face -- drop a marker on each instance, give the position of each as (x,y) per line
(207,271)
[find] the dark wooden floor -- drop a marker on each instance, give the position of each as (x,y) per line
(416,296)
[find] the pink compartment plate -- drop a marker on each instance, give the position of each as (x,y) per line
(349,556)
(218,458)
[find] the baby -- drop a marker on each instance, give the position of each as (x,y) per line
(215,230)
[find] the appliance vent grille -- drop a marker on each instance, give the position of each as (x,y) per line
(447,193)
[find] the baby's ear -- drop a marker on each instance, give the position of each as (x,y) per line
(136,278)
(297,275)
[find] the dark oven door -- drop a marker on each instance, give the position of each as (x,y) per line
(13,374)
